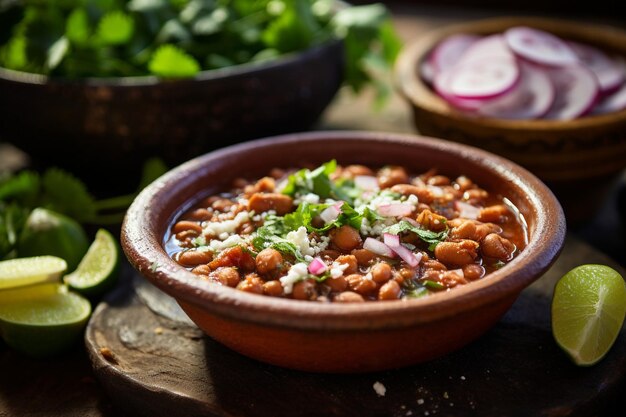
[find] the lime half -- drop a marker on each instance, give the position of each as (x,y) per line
(588,310)
(42,320)
(28,271)
(98,270)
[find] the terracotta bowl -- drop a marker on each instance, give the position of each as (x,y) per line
(332,337)
(91,126)
(568,155)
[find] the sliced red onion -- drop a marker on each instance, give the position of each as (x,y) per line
(391,240)
(613,102)
(330,214)
(395,209)
(609,72)
(427,71)
(485,48)
(467,211)
(530,99)
(479,78)
(410,220)
(366,182)
(576,92)
(317,266)
(539,46)
(378,247)
(449,51)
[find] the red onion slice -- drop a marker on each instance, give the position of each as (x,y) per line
(378,247)
(317,266)
(609,72)
(613,102)
(486,48)
(395,209)
(539,46)
(330,213)
(449,51)
(393,242)
(479,79)
(467,211)
(366,182)
(576,92)
(427,71)
(530,99)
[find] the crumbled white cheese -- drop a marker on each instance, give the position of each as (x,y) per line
(412,200)
(380,389)
(227,226)
(296,273)
(300,238)
(309,198)
(336,269)
(232,240)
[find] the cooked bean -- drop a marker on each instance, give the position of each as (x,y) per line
(434,265)
(451,279)
(186,235)
(432,221)
(349,260)
(252,283)
(392,175)
(475,195)
(337,284)
(185,225)
(262,202)
(457,253)
(389,291)
(268,260)
(407,273)
(329,254)
(352,171)
(423,194)
(381,272)
(363,256)
(348,297)
(465,230)
(194,257)
(345,238)
(265,184)
(484,229)
(495,246)
(273,288)
(358,283)
(199,215)
(463,183)
(438,180)
(227,276)
(494,214)
(305,290)
(472,272)
(201,270)
(223,205)
(277,173)
(234,256)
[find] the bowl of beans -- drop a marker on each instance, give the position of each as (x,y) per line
(547,94)
(344,251)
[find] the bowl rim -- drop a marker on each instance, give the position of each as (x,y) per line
(144,248)
(411,86)
(152,80)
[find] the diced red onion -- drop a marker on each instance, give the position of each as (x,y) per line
(393,242)
(366,182)
(467,211)
(330,213)
(395,209)
(410,220)
(378,247)
(317,266)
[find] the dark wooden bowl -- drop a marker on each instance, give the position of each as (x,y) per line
(103,129)
(569,155)
(331,337)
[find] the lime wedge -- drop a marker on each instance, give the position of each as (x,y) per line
(28,271)
(98,270)
(588,310)
(42,320)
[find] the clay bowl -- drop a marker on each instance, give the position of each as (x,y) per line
(568,155)
(94,126)
(331,337)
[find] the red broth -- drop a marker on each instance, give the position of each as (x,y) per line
(348,234)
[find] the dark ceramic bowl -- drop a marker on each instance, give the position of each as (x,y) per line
(585,153)
(103,129)
(332,337)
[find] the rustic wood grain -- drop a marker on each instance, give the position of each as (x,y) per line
(162,367)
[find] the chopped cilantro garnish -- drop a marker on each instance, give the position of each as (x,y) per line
(433,285)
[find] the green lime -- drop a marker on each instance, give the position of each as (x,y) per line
(98,270)
(588,310)
(42,320)
(27,271)
(50,233)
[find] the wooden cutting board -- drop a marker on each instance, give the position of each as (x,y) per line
(152,361)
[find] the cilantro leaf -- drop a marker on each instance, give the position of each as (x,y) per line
(172,62)
(268,236)
(77,28)
(428,236)
(115,28)
(64,193)
(23,188)
(12,220)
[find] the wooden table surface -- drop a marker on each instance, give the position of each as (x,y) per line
(66,386)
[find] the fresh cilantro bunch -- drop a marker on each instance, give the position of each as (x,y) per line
(179,38)
(63,193)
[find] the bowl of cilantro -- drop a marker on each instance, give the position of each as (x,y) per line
(101,86)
